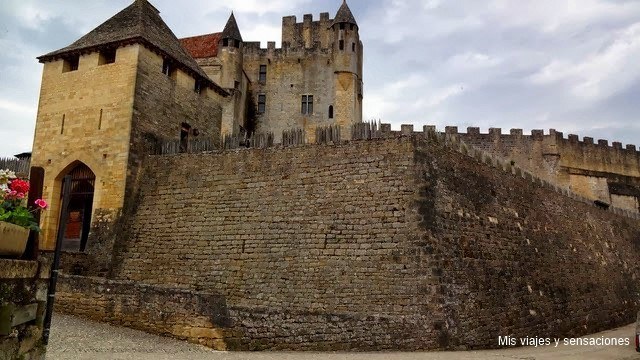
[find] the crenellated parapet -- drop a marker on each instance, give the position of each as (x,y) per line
(306,33)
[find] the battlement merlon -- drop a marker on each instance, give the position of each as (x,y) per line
(539,134)
(307,32)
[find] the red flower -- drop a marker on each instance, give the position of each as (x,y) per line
(19,186)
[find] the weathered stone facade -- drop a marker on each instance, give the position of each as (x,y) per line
(23,300)
(598,171)
(398,243)
(108,114)
(322,59)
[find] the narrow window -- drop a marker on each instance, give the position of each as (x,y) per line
(107,56)
(307,104)
(351,27)
(236,43)
(100,121)
(71,63)
(341,26)
(62,125)
(341,45)
(168,68)
(184,137)
(225,42)
(353,47)
(262,103)
(198,86)
(236,85)
(263,74)
(330,111)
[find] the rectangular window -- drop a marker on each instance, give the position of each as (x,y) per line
(353,47)
(263,74)
(262,104)
(198,86)
(307,104)
(185,130)
(107,56)
(168,68)
(341,44)
(71,63)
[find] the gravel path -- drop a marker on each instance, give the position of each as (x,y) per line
(79,339)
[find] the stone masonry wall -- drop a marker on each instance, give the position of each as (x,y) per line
(75,105)
(401,243)
(304,231)
(584,167)
(292,73)
(23,299)
(514,258)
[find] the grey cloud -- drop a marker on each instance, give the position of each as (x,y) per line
(465,63)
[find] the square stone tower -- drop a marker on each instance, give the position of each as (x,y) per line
(106,101)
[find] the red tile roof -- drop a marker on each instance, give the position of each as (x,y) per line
(202,46)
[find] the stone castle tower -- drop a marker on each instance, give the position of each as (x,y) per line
(314,79)
(111,97)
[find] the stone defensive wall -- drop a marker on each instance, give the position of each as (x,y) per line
(592,169)
(410,242)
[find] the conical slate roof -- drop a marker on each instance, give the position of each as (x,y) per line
(231,30)
(140,22)
(344,15)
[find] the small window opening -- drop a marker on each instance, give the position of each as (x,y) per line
(184,137)
(236,43)
(62,125)
(168,68)
(107,56)
(71,63)
(330,111)
(225,42)
(353,47)
(351,27)
(236,85)
(263,74)
(198,86)
(341,26)
(307,104)
(341,44)
(100,121)
(262,103)
(601,204)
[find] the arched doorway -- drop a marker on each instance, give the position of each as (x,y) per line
(80,208)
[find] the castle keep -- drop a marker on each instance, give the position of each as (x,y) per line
(334,233)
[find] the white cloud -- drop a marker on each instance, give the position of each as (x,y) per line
(246,6)
(263,31)
(17,108)
(601,74)
(473,61)
(552,15)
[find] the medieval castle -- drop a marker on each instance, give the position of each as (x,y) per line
(349,236)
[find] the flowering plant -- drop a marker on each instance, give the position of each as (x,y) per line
(13,193)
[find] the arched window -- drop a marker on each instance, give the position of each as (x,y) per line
(330,111)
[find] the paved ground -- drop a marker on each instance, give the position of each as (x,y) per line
(74,338)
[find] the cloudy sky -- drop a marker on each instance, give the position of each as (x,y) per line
(572,65)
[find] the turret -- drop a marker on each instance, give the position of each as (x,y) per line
(230,55)
(346,40)
(347,64)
